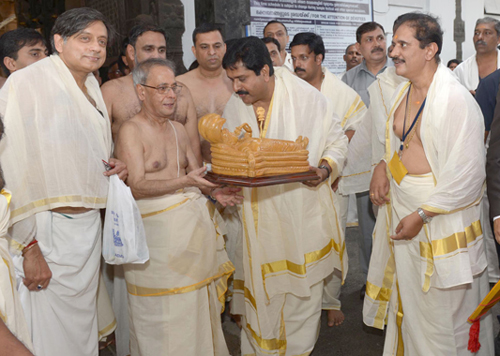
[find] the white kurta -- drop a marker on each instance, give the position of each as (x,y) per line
(446,260)
(292,239)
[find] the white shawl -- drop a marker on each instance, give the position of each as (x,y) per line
(467,72)
(54,142)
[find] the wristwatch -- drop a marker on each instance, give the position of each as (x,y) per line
(426,219)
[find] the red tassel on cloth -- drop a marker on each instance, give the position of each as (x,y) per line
(474,344)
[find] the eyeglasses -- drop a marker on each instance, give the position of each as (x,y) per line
(163,89)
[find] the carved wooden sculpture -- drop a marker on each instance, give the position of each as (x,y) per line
(248,156)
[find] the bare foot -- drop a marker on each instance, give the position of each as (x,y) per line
(335,317)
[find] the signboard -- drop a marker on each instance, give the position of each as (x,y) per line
(335,21)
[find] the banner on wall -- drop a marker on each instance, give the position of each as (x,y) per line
(335,21)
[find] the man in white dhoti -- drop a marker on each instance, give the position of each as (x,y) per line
(428,267)
(486,60)
(308,53)
(175,298)
(52,158)
(292,238)
(15,337)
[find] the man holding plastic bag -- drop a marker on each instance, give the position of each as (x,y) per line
(175,298)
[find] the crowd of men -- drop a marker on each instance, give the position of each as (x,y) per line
(398,131)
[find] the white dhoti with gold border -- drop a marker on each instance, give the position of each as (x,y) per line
(175,298)
(432,322)
(63,317)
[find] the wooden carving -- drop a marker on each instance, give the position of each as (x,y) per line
(247,156)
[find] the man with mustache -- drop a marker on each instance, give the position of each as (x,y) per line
(428,267)
(291,238)
(52,159)
(486,60)
(147,41)
(352,58)
(209,85)
(174,298)
(308,53)
(371,43)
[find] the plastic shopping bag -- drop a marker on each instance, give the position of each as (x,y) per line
(124,238)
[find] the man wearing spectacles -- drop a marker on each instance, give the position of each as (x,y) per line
(174,297)
(147,41)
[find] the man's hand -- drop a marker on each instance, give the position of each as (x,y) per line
(117,167)
(36,270)
(379,186)
(321,172)
(408,227)
(195,179)
(335,185)
(473,92)
(228,196)
(496,228)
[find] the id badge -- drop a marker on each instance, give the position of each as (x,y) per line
(397,168)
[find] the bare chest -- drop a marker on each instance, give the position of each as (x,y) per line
(211,99)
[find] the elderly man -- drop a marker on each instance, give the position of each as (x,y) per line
(175,298)
(308,53)
(278,31)
(291,240)
(55,143)
(486,60)
(146,41)
(209,85)
(430,275)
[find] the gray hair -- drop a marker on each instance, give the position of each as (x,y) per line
(76,20)
(141,71)
(489,20)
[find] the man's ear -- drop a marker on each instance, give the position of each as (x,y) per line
(58,43)
(140,90)
(10,63)
(193,50)
(130,51)
(265,72)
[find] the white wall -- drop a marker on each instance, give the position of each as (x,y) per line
(386,11)
(190,24)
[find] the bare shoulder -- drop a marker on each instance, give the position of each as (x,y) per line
(186,78)
(115,87)
(130,129)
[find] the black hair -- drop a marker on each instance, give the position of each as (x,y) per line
(367,27)
(251,52)
(274,21)
(11,42)
(312,40)
(76,20)
(427,29)
(267,40)
(140,29)
(206,28)
(456,61)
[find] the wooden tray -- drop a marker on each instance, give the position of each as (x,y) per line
(260,181)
